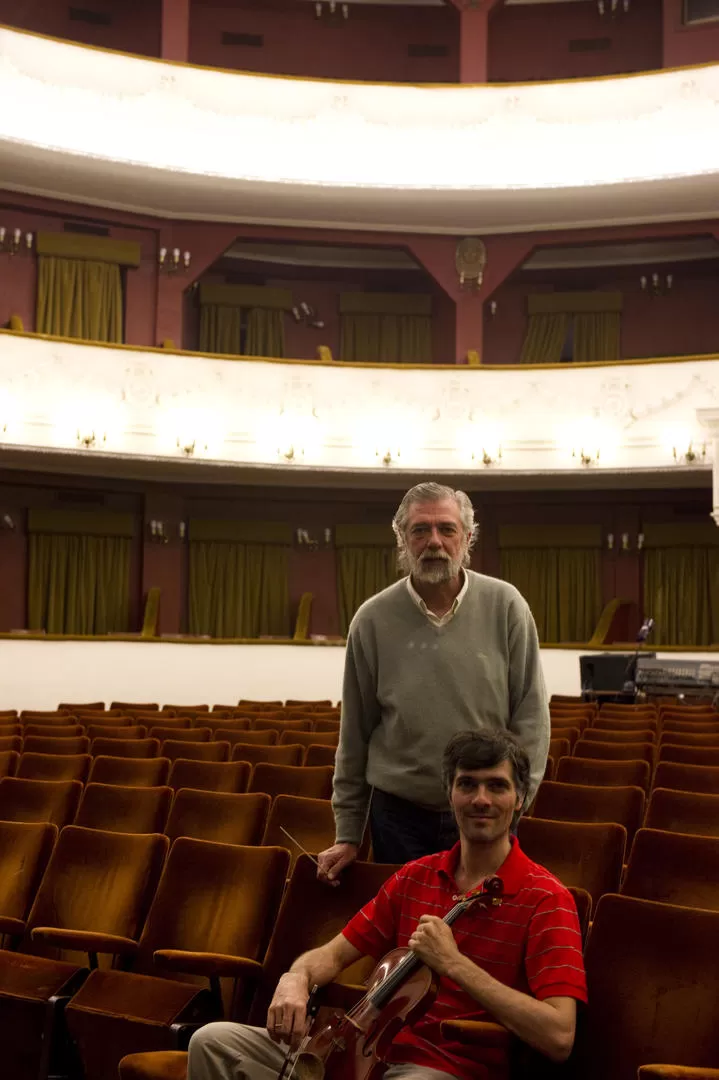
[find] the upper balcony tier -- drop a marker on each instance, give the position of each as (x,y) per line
(411,41)
(108,129)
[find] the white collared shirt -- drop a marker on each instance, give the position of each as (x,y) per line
(439,620)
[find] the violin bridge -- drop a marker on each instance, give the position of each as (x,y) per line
(354,1023)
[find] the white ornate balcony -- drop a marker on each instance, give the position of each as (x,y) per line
(58,397)
(109,129)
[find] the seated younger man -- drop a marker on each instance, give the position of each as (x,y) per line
(518,963)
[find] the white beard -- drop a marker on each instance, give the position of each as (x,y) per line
(436,573)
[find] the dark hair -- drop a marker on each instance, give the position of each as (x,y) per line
(483,750)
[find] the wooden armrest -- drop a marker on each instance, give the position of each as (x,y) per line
(478,1033)
(8,925)
(677,1072)
(217,965)
(84,940)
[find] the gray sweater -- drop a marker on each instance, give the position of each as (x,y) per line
(409,686)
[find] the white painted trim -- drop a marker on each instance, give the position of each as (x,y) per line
(41,674)
(151,137)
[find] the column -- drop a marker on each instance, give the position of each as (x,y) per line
(437,254)
(205,243)
(164,564)
(13,570)
(473,45)
(175,37)
(709,419)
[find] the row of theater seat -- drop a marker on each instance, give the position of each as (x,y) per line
(159,922)
(617,801)
(106,1020)
(56,801)
(294,822)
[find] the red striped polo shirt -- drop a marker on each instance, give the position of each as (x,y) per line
(531,942)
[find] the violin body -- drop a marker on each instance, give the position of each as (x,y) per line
(352,1046)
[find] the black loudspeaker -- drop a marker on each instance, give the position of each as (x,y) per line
(607,672)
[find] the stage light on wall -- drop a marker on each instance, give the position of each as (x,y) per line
(94,422)
(656,284)
(292,435)
(689,454)
(588,441)
(89,438)
(305,313)
(14,241)
(156,532)
(194,432)
(679,440)
(170,262)
(331,9)
(480,440)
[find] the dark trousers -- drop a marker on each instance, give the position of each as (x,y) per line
(402,831)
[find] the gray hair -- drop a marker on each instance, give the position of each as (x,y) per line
(430,491)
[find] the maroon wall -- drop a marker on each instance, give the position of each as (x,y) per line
(302,340)
(526,42)
(372,44)
(536,41)
(688,44)
(683,322)
(18,273)
(165,565)
(135,24)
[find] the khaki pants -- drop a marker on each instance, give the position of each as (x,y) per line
(225,1051)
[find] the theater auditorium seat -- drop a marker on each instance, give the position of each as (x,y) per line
(128,748)
(54,766)
(55,801)
(119,1012)
(684,812)
(92,900)
(284,754)
(25,848)
(599,773)
(653,984)
(673,868)
(311,783)
(174,749)
(221,817)
(229,776)
(129,772)
(310,823)
(579,802)
(586,855)
(126,809)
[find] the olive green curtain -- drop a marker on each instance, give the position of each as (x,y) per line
(265,332)
(79,298)
(362,572)
(79,584)
(681,593)
(545,338)
(562,587)
(596,336)
(221,329)
(386,339)
(238,590)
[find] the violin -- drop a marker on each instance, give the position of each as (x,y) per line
(353,1045)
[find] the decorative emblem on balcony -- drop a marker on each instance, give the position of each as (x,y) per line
(470,260)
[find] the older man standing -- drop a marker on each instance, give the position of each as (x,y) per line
(441,651)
